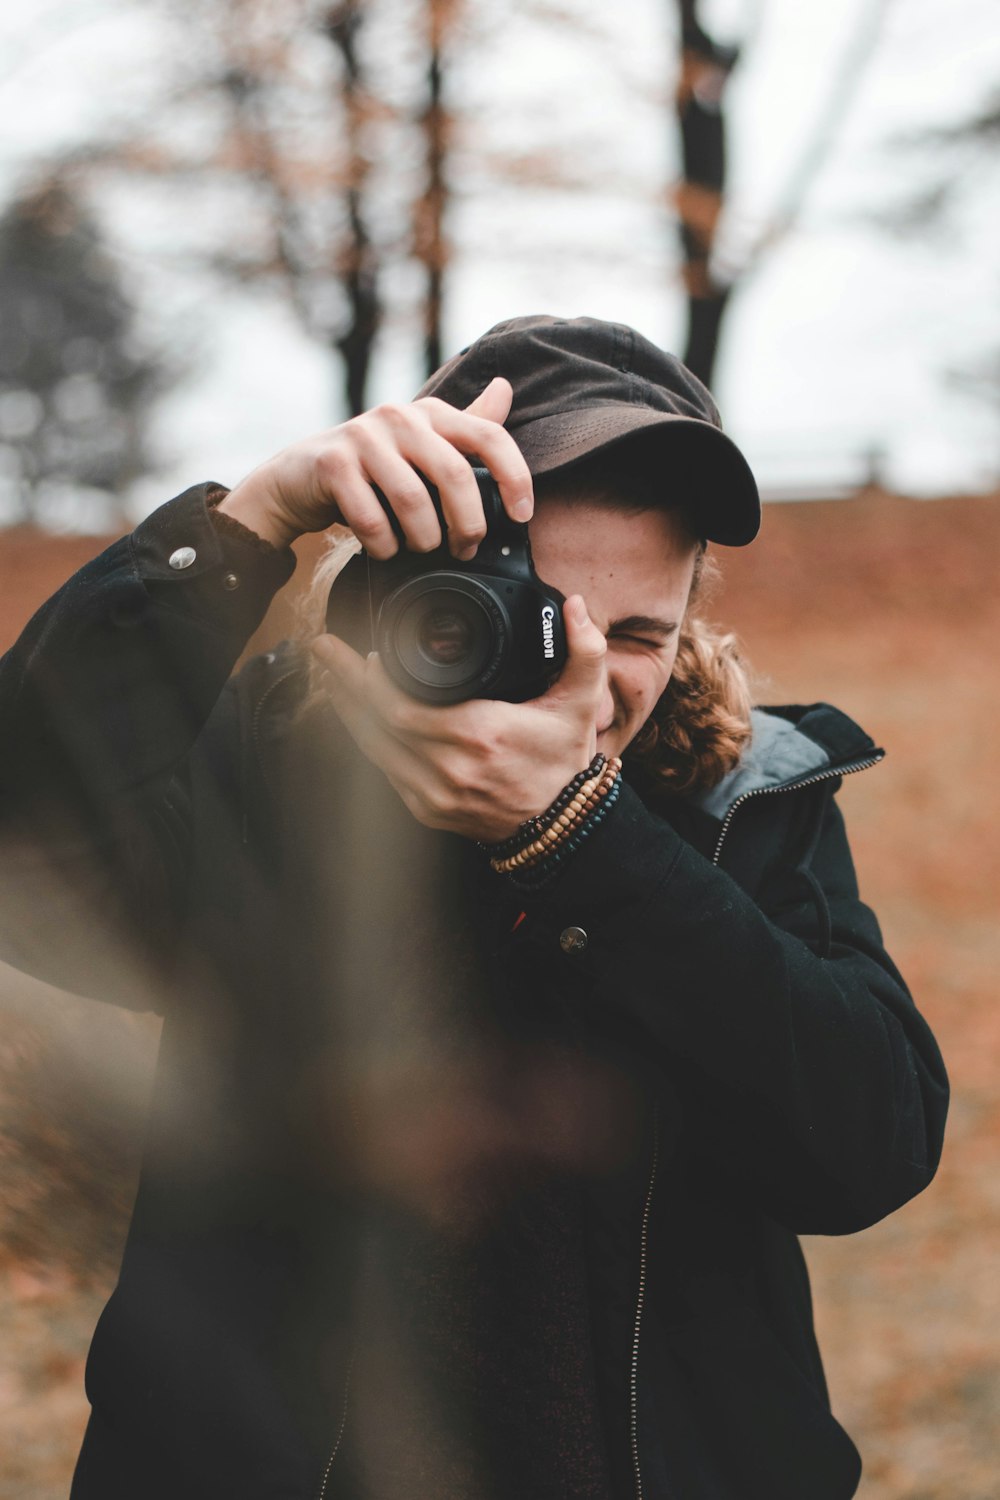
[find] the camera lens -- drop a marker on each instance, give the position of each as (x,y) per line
(443,636)
(446,637)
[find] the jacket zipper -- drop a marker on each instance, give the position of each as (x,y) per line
(321,1492)
(640,1300)
(259,709)
(827,775)
(792,786)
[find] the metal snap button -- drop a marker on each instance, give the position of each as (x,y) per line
(572,940)
(230,581)
(182,558)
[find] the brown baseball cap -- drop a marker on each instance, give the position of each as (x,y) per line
(582,385)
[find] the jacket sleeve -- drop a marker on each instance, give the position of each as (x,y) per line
(811,1082)
(101,700)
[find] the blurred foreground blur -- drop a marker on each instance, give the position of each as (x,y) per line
(887,608)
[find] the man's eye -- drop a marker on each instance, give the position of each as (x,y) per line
(640,640)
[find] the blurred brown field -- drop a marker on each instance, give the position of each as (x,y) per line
(887,607)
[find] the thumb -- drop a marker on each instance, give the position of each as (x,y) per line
(584,674)
(494,402)
(341,665)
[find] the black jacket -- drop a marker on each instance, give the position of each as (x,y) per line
(612,1307)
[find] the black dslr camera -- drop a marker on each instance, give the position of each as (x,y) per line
(447,630)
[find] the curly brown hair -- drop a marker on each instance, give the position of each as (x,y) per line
(701,723)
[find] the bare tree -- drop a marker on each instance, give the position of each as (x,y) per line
(298,115)
(705,66)
(359,260)
(430,206)
(76,387)
(273,112)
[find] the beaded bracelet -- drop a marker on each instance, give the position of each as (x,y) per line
(541,874)
(587,799)
(569,801)
(571,811)
(532,827)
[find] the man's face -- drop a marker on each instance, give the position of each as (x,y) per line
(634,570)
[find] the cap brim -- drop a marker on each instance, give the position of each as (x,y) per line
(704,468)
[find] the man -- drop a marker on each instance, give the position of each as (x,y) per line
(507,1047)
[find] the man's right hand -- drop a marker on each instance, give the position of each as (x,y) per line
(328,478)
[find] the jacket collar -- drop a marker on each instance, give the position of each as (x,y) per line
(791,745)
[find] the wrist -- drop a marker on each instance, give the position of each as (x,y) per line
(549,837)
(254,510)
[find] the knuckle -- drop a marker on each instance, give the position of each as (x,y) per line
(482,753)
(398,713)
(334,461)
(503,448)
(368,523)
(436,799)
(465,534)
(460,779)
(432,405)
(437,802)
(350,429)
(392,414)
(454,468)
(408,495)
(493,434)
(368,527)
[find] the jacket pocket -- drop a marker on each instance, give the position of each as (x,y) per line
(762,1429)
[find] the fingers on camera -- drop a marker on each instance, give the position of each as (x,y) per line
(340,477)
(504,459)
(407,494)
(491,443)
(398,475)
(436,445)
(461,502)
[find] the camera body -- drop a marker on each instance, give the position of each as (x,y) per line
(447,630)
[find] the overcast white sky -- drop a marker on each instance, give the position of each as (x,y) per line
(840,342)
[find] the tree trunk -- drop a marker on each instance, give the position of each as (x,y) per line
(359,262)
(429,242)
(704,71)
